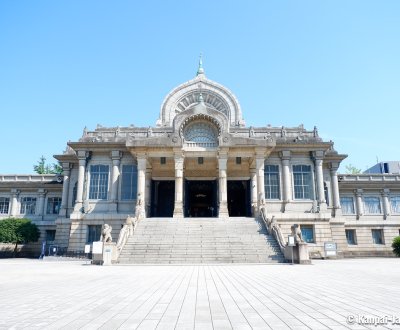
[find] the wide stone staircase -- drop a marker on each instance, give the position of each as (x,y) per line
(200,240)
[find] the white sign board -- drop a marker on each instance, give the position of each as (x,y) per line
(97,248)
(291,241)
(87,248)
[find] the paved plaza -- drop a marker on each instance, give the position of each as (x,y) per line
(336,294)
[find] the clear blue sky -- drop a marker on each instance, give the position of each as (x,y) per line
(65,65)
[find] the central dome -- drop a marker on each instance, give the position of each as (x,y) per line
(186,96)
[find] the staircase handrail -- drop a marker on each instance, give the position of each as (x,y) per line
(274,228)
(127,231)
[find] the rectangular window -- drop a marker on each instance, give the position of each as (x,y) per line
(28,205)
(271,179)
(163,160)
(98,182)
(238,160)
(377,236)
(302,182)
(395,203)
(372,205)
(129,182)
(351,237)
(200,160)
(347,204)
(307,231)
(50,235)
(94,233)
(53,205)
(4,205)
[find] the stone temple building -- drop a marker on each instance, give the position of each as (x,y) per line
(200,162)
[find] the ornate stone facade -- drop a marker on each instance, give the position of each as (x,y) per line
(200,160)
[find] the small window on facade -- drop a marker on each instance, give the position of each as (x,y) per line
(4,205)
(347,204)
(53,205)
(302,182)
(163,160)
(372,205)
(307,231)
(50,235)
(129,182)
(385,168)
(238,160)
(98,182)
(94,233)
(395,204)
(351,237)
(271,182)
(200,160)
(377,236)
(28,205)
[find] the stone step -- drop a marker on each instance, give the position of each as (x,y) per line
(201,240)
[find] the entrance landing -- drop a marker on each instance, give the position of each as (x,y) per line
(200,240)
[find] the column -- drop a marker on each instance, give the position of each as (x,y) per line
(222,184)
(82,157)
(359,203)
(65,192)
(116,160)
(147,199)
(335,185)
(14,202)
(42,195)
(141,186)
(385,202)
(178,205)
(285,156)
(318,160)
(260,179)
(254,198)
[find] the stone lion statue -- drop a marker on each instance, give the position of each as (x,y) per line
(296,232)
(106,234)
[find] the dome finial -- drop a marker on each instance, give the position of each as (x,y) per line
(200,70)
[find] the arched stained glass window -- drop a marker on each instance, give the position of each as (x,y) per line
(200,132)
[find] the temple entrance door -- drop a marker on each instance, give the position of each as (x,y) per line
(163,197)
(201,198)
(239,198)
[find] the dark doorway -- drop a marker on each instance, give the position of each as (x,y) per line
(163,197)
(201,198)
(239,198)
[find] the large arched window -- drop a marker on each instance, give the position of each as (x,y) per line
(201,132)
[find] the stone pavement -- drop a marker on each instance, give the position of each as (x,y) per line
(337,294)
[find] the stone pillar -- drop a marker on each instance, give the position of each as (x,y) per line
(318,160)
(385,202)
(335,185)
(14,202)
(141,186)
(116,160)
(42,195)
(147,199)
(254,198)
(359,203)
(178,204)
(285,156)
(222,184)
(65,192)
(82,157)
(260,159)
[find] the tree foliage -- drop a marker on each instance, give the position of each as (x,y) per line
(18,231)
(350,169)
(396,246)
(43,168)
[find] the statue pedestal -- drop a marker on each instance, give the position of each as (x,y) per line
(109,253)
(301,255)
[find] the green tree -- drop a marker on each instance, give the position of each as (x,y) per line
(350,169)
(396,246)
(43,168)
(18,231)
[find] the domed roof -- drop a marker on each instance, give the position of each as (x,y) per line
(214,95)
